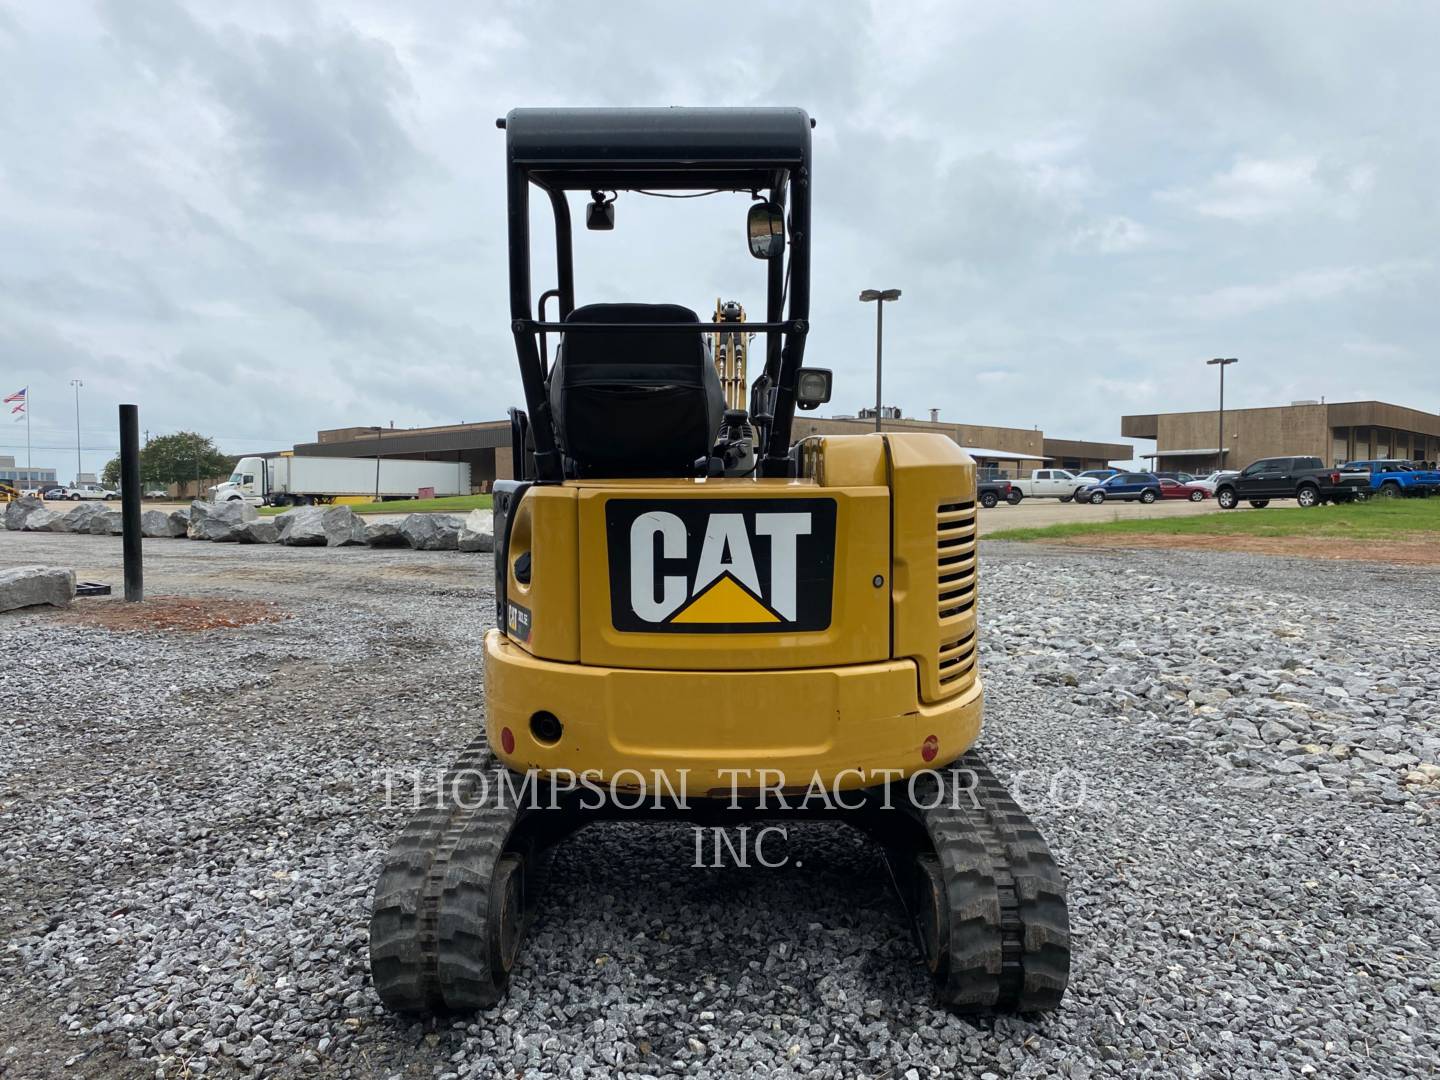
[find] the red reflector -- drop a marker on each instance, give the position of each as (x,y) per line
(1334,478)
(507,740)
(929,748)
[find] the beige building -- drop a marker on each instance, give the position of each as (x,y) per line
(486,445)
(1013,451)
(1334,432)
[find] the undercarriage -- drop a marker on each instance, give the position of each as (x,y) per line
(984,898)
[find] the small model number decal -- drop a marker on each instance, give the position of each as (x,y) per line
(517,622)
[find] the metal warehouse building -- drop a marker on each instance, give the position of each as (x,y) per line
(486,445)
(1334,432)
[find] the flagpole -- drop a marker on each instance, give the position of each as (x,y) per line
(28,464)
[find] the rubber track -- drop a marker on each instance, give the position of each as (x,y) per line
(968,979)
(1009,933)
(429,939)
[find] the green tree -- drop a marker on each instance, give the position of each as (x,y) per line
(111,476)
(182,457)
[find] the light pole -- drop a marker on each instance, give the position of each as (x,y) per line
(1224,362)
(879,296)
(378,429)
(77,384)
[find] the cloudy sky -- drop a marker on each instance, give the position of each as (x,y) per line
(260,220)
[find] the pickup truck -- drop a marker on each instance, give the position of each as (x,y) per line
(1304,479)
(1391,478)
(1050,484)
(82,491)
(990,492)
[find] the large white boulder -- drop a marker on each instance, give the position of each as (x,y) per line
(321,526)
(41,520)
(477,531)
(221,522)
(180,521)
(259,531)
(303,526)
(27,586)
(195,515)
(79,518)
(383,534)
(157,524)
(343,527)
(17,511)
(107,523)
(431,532)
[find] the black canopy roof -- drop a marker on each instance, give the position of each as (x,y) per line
(675,148)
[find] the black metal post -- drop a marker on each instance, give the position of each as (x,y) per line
(130,502)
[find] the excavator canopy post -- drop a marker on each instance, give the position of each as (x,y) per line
(765,151)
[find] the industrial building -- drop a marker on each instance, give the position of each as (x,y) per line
(486,445)
(22,476)
(1011,451)
(1334,432)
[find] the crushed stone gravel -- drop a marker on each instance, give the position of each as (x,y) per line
(1234,758)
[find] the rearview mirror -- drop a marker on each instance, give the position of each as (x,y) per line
(600,215)
(765,227)
(812,387)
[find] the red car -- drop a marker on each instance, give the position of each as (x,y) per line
(1173,489)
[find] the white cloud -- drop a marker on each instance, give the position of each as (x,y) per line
(1113,235)
(1254,189)
(1308,286)
(1381,351)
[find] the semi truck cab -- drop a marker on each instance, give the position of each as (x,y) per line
(248,483)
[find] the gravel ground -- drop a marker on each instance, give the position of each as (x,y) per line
(191,824)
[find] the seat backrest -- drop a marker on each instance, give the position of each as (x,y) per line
(635,403)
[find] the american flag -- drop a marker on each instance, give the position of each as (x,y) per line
(19,397)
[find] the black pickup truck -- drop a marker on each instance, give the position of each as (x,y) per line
(990,492)
(1304,479)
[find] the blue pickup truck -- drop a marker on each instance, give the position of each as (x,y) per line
(1393,478)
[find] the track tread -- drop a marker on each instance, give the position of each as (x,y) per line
(430,940)
(1007,938)
(969,976)
(1038,897)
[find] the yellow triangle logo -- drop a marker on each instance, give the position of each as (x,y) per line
(725,601)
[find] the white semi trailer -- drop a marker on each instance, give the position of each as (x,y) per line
(300,481)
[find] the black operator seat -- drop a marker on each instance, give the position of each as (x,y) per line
(632,403)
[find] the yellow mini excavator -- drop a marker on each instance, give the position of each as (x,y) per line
(698,617)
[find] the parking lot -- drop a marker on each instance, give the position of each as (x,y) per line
(1034,513)
(192,821)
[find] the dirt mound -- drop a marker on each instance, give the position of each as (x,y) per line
(184,613)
